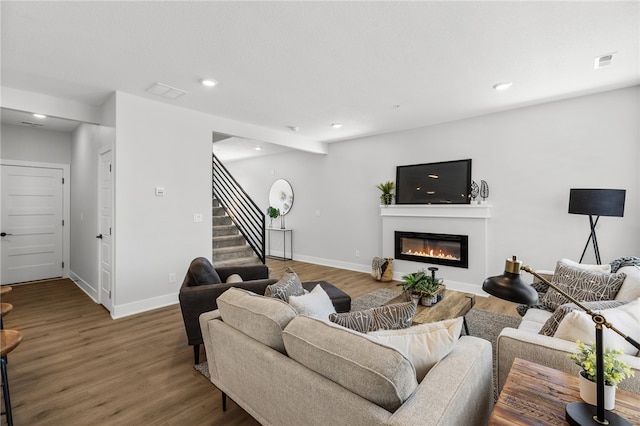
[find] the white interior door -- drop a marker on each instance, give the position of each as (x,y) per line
(31,242)
(106,230)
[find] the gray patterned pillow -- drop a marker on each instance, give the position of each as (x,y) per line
(387,317)
(361,321)
(549,328)
(288,285)
(583,285)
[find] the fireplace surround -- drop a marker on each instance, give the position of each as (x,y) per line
(441,249)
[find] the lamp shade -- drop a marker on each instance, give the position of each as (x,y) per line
(510,286)
(597,202)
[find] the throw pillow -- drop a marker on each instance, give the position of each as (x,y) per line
(315,304)
(587,267)
(361,321)
(388,317)
(551,325)
(581,284)
(423,344)
(233,278)
(578,325)
(288,285)
(630,289)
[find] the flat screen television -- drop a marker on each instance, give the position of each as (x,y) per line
(447,182)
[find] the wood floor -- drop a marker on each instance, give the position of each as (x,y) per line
(77,366)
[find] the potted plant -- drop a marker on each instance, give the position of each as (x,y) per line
(273,213)
(412,285)
(614,372)
(386,197)
(429,288)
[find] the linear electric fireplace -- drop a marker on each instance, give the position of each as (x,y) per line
(441,249)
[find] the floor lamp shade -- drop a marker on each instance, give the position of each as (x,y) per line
(597,202)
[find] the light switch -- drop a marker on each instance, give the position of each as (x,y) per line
(197,217)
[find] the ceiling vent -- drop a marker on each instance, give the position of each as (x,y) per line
(602,61)
(165,91)
(28,123)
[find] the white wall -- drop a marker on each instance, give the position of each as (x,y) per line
(530,158)
(158,145)
(84,203)
(31,144)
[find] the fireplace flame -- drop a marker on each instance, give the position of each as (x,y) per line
(440,254)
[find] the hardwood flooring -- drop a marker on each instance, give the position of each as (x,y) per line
(77,366)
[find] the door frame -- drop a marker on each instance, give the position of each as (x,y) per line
(66,203)
(109,305)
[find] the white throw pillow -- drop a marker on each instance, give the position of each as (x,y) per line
(577,325)
(601,268)
(315,304)
(423,344)
(630,289)
(233,278)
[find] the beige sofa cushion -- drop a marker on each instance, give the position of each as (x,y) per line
(259,317)
(366,367)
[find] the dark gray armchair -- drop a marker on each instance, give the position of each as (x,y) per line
(203,284)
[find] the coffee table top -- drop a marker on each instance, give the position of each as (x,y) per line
(454,304)
(534,394)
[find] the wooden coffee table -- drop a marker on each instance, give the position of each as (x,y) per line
(454,304)
(537,395)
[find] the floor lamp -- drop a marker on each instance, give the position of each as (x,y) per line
(510,286)
(596,202)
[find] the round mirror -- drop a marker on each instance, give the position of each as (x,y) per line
(281,196)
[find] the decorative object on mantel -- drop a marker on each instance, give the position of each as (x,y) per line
(386,197)
(273,213)
(484,191)
(475,190)
(510,286)
(382,268)
(614,372)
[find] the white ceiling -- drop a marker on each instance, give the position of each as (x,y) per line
(376,67)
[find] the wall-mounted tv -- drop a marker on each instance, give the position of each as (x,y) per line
(447,182)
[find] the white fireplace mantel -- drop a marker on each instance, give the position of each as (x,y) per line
(458,219)
(466,211)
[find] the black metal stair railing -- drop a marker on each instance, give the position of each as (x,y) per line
(243,211)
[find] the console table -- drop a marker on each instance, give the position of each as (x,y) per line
(537,395)
(284,233)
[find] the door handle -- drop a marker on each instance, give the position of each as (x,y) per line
(99,236)
(4,234)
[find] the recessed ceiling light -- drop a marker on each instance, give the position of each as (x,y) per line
(502,85)
(257,148)
(39,116)
(336,125)
(208,82)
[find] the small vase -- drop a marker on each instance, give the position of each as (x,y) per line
(588,393)
(415,298)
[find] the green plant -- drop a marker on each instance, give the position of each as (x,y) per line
(386,197)
(273,212)
(419,282)
(614,370)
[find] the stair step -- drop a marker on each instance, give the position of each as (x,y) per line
(218,211)
(221,230)
(222,220)
(242,261)
(229,241)
(226,253)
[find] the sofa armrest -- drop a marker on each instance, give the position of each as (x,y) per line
(204,320)
(464,378)
(248,272)
(550,352)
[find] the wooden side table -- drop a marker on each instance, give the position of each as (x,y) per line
(537,395)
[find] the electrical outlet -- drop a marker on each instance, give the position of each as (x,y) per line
(172,277)
(357,253)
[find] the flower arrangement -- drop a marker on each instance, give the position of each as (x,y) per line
(614,370)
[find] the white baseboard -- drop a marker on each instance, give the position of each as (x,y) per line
(91,291)
(127,309)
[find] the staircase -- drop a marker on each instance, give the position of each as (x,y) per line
(230,248)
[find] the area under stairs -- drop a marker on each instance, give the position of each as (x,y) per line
(230,248)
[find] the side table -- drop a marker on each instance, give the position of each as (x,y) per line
(537,395)
(284,233)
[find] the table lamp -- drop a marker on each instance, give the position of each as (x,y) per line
(512,287)
(596,202)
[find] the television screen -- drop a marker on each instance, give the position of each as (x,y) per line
(448,182)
